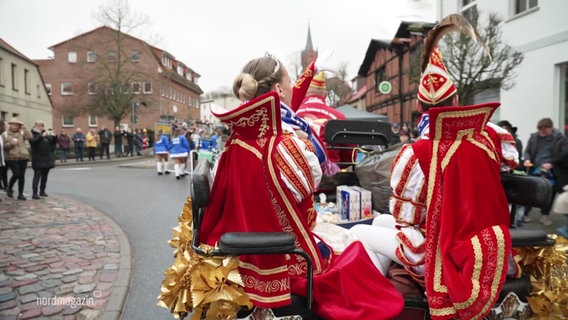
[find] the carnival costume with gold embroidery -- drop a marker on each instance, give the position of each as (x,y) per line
(316,111)
(264,183)
(448,198)
(468,241)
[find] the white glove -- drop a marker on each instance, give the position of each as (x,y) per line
(323,62)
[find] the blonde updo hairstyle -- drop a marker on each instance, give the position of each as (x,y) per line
(257,78)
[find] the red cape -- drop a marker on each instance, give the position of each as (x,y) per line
(467,235)
(248,194)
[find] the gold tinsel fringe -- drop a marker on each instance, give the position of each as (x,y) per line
(547,268)
(199,285)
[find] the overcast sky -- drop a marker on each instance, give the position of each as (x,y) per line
(217,37)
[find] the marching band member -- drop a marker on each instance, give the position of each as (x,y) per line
(162,148)
(179,151)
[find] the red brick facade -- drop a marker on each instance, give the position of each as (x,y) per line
(397,62)
(157,80)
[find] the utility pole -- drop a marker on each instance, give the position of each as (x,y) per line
(133,118)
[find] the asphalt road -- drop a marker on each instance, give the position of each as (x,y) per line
(143,204)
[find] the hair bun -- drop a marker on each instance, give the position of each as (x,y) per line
(245,86)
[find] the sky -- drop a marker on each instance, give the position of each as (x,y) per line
(216,38)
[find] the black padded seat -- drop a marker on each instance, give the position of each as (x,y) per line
(527,236)
(238,243)
(521,287)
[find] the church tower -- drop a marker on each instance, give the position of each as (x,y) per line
(308,54)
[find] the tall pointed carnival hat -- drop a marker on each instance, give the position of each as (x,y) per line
(435,82)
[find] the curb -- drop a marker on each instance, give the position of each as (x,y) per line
(117,299)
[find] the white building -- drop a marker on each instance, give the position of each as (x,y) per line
(22,90)
(226,102)
(537,29)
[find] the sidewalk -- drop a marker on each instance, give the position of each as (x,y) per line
(61,259)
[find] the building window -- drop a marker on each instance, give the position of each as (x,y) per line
(92,121)
(147,87)
(180,70)
(68,121)
(66,89)
(524,5)
(48,88)
(111,56)
(380,76)
(136,87)
(72,57)
(27,81)
(92,88)
(14,77)
(91,56)
(135,56)
(166,61)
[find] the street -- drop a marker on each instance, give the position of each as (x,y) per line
(144,205)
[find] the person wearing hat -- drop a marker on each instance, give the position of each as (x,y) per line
(17,155)
(441,179)
(315,110)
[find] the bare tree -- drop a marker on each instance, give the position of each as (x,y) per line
(117,77)
(472,69)
(342,71)
(294,65)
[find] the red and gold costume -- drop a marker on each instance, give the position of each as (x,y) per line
(449,203)
(264,183)
(316,111)
(468,241)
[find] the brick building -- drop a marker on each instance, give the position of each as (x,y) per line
(396,65)
(154,84)
(22,93)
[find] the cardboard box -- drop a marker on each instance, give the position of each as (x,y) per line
(349,203)
(366,202)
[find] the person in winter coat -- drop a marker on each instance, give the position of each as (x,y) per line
(130,142)
(105,136)
(42,144)
(542,150)
(64,142)
(79,141)
(92,142)
(117,135)
(17,155)
(138,141)
(3,178)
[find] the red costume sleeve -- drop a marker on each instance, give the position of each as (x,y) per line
(301,86)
